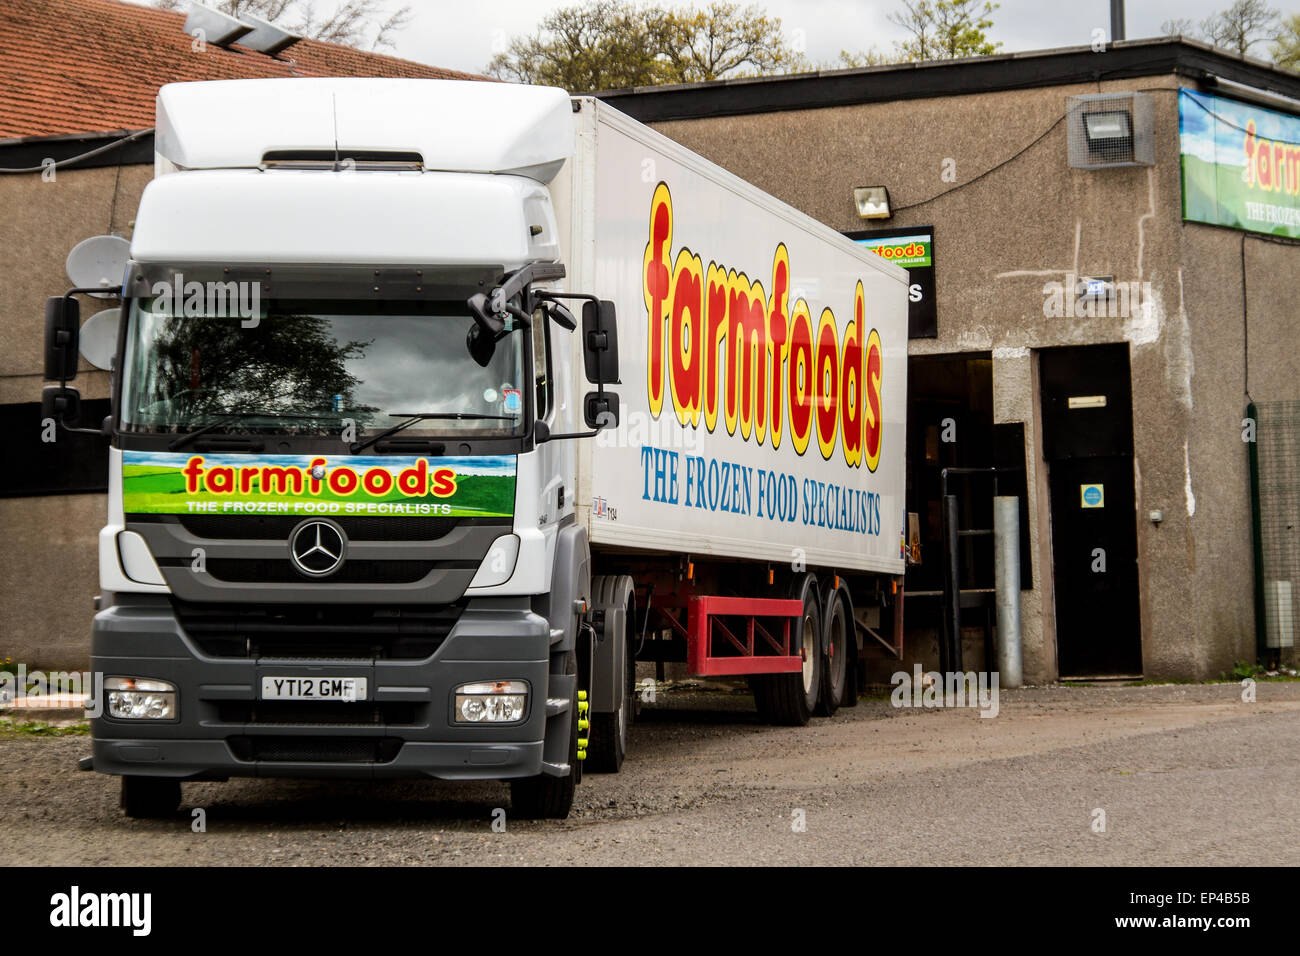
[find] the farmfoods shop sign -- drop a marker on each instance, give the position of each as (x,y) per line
(912,248)
(1241,164)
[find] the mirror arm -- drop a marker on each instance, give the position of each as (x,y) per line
(553,296)
(591,434)
(520,279)
(486,308)
(101,432)
(116,290)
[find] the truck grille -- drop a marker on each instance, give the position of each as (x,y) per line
(313,713)
(278,527)
(306,632)
(248,570)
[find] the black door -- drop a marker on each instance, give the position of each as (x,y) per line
(1087,407)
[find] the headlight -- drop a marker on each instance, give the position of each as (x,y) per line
(491,702)
(499,564)
(138,698)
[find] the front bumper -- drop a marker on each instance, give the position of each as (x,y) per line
(404,728)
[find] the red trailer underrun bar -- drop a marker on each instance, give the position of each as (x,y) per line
(757,650)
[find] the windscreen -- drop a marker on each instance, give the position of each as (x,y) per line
(312,365)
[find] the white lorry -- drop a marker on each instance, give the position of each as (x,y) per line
(439,404)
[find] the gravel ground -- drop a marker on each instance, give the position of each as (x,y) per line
(1185,774)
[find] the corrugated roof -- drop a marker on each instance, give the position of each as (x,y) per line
(82,66)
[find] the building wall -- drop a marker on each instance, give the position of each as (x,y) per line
(49,568)
(1004,228)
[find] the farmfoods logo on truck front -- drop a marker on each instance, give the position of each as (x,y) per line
(721,345)
(162,483)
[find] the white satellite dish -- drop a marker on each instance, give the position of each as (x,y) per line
(99,261)
(98,343)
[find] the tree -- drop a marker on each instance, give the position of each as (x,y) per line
(1286,44)
(206,366)
(606,44)
(726,40)
(849,60)
(609,44)
(1179,27)
(1241,26)
(945,29)
(363,24)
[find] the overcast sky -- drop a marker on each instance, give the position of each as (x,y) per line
(461,35)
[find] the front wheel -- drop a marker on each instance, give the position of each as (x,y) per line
(545,797)
(609,730)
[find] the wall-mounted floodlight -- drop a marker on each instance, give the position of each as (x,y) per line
(1109,133)
(1111,129)
(872,202)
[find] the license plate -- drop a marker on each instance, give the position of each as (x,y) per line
(314,688)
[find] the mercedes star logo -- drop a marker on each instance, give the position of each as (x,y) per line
(317,548)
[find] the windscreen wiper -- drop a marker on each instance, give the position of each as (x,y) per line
(413,418)
(230,419)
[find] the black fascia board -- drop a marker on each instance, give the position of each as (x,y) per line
(1191,60)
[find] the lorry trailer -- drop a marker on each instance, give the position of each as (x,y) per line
(437,406)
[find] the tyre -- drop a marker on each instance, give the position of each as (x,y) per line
(544,797)
(790,699)
(608,739)
(853,684)
(835,664)
(150,798)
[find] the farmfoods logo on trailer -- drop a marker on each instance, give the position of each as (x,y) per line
(162,483)
(721,346)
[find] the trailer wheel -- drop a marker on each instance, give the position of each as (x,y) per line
(545,797)
(835,673)
(789,699)
(150,798)
(609,731)
(852,683)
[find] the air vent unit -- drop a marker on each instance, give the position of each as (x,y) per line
(1111,129)
(212,26)
(266,37)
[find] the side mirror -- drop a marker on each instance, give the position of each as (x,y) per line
(481,344)
(541,433)
(600,409)
(561,316)
(62,327)
(487,320)
(600,342)
(61,403)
